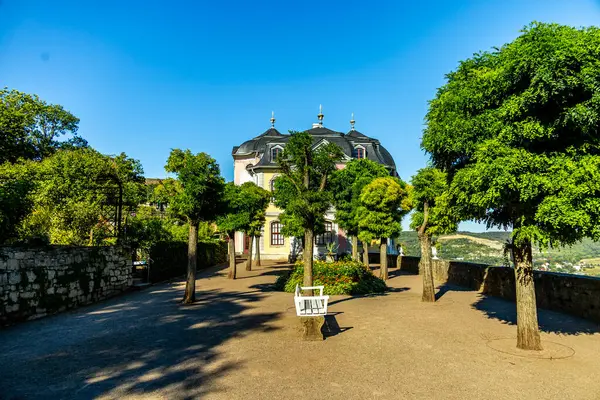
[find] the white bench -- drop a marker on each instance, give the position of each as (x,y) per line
(310,306)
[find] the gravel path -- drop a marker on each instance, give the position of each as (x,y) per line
(240,341)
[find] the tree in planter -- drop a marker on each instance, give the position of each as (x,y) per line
(517,131)
(234,219)
(199,198)
(383,203)
(432,216)
(301,190)
(255,201)
(346,185)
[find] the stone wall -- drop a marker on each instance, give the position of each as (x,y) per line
(35,282)
(572,294)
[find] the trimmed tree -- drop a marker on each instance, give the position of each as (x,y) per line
(301,190)
(346,185)
(383,203)
(235,218)
(255,202)
(199,199)
(431,216)
(518,131)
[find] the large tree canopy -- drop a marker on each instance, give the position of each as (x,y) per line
(517,131)
(30,127)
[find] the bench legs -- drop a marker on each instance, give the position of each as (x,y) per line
(311,327)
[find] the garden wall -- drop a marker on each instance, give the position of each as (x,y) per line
(169,259)
(35,282)
(572,294)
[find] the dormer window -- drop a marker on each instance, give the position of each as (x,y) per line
(275,152)
(359,152)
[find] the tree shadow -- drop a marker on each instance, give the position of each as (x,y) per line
(134,345)
(549,321)
(445,288)
(331,327)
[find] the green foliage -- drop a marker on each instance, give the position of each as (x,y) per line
(383,203)
(235,218)
(71,196)
(30,127)
(301,189)
(430,188)
(197,193)
(255,203)
(169,259)
(16,185)
(346,185)
(341,277)
(517,131)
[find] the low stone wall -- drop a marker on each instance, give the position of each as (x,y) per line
(35,282)
(572,294)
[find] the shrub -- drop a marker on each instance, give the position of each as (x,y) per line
(341,277)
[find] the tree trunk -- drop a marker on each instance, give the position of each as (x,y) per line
(257,240)
(383,267)
(190,285)
(355,248)
(528,333)
(249,262)
(232,264)
(366,254)
(426,270)
(307,258)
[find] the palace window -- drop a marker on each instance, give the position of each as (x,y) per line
(276,236)
(275,152)
(359,152)
(272,187)
(327,237)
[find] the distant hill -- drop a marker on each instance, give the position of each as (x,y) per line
(488,248)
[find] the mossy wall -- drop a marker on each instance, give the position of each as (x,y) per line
(35,282)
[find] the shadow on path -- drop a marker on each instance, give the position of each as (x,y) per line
(135,345)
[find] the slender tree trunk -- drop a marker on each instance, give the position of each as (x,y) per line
(528,333)
(257,240)
(383,267)
(307,258)
(190,285)
(249,262)
(426,269)
(232,264)
(355,248)
(366,254)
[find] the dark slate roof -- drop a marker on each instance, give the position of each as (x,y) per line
(262,144)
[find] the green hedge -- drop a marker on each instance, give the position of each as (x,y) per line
(341,277)
(169,259)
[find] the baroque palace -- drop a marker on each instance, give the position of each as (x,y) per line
(255,161)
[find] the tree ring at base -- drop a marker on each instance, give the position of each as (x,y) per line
(550,350)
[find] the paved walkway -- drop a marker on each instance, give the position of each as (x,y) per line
(240,342)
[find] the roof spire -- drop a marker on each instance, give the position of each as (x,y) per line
(272,119)
(320,115)
(352,121)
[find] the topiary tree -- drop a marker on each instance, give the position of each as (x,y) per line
(198,198)
(346,185)
(301,190)
(517,129)
(255,202)
(383,203)
(432,216)
(233,219)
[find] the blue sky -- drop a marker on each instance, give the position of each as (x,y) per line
(148,76)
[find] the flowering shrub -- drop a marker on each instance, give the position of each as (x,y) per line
(341,277)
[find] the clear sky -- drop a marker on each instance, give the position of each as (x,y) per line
(148,76)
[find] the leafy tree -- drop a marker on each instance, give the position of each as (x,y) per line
(198,198)
(74,194)
(235,218)
(517,129)
(346,185)
(16,186)
(301,191)
(30,127)
(383,203)
(432,216)
(255,200)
